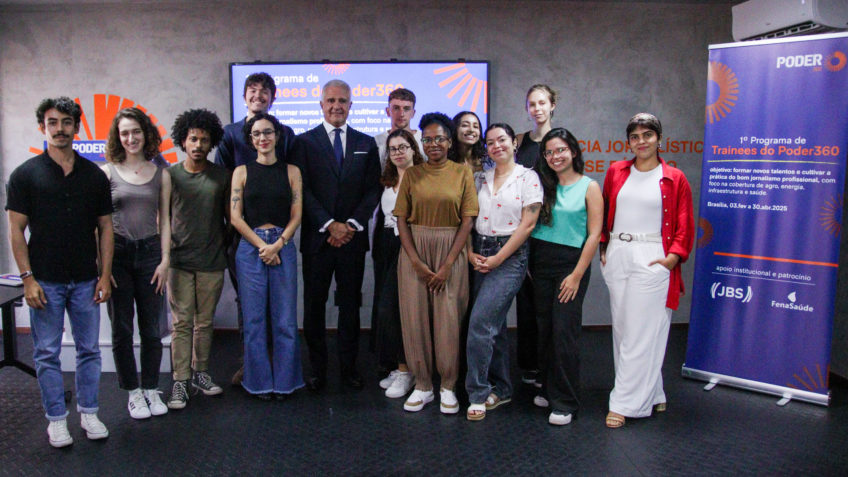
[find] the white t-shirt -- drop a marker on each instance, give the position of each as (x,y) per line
(387,203)
(500,213)
(638,207)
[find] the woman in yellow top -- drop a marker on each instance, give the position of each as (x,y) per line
(435,207)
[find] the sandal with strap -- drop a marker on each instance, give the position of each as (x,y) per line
(661,407)
(476,412)
(493,401)
(614,420)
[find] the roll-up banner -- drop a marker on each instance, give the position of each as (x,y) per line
(770,216)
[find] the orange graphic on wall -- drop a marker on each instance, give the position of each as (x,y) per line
(728,87)
(95,127)
(835,61)
(473,90)
(810,382)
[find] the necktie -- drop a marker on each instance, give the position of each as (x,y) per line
(337,147)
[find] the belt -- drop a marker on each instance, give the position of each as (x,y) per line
(626,237)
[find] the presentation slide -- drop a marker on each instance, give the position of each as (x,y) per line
(449,87)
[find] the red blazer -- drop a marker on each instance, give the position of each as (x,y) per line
(678,222)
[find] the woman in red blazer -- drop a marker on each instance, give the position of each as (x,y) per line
(648,233)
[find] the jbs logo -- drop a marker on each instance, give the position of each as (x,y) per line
(736,293)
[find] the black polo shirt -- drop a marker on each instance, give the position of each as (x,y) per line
(63,212)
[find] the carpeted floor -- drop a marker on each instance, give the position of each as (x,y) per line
(346,432)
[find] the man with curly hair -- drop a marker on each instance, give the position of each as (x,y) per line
(63,199)
(199,195)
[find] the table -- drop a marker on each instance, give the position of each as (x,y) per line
(8,296)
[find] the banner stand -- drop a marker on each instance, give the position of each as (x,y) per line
(786,394)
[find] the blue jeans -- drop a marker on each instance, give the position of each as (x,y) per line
(487,348)
(268,296)
(47,325)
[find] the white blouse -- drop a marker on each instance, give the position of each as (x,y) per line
(638,208)
(500,212)
(387,202)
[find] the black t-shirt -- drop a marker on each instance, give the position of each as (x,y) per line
(267,194)
(62,212)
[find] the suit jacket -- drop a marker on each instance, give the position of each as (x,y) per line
(329,193)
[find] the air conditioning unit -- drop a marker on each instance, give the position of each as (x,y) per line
(761,19)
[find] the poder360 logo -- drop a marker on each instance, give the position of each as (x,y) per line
(103,111)
(833,62)
(734,293)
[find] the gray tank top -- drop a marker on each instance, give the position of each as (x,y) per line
(136,205)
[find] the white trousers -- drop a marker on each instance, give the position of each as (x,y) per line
(640,324)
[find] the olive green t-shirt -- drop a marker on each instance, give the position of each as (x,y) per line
(198,227)
(437,196)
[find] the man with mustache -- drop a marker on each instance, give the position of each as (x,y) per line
(259,94)
(199,195)
(64,199)
(341,188)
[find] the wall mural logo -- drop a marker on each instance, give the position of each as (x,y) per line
(103,109)
(474,88)
(835,61)
(830,215)
(336,69)
(806,379)
(722,91)
(705,230)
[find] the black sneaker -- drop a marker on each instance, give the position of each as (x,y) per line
(203,382)
(179,395)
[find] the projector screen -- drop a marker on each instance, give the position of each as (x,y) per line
(449,87)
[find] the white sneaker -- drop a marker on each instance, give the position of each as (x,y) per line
(137,405)
(558,419)
(386,382)
(540,401)
(94,429)
(57,432)
(447,402)
(401,385)
(416,401)
(154,402)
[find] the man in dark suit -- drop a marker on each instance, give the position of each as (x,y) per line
(341,172)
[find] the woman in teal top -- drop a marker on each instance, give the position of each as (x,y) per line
(563,243)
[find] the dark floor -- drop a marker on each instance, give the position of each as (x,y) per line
(722,432)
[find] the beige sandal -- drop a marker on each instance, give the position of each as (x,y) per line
(614,420)
(661,407)
(493,401)
(476,412)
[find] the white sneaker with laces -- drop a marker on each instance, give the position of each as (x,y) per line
(94,429)
(540,401)
(401,385)
(447,402)
(137,405)
(57,432)
(416,401)
(154,402)
(386,382)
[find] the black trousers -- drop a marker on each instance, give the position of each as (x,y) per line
(318,271)
(559,324)
(528,334)
(132,268)
(389,340)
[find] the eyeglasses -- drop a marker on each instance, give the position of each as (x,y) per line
(400,149)
(438,140)
(266,133)
(549,153)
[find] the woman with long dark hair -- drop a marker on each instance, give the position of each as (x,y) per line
(648,232)
(509,196)
(467,144)
(402,153)
(563,244)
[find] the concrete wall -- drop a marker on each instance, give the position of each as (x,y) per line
(608,60)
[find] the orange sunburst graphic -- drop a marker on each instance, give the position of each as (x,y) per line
(104,109)
(707,235)
(811,380)
(835,61)
(830,214)
(336,69)
(471,87)
(728,87)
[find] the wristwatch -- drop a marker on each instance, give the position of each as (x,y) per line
(25,274)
